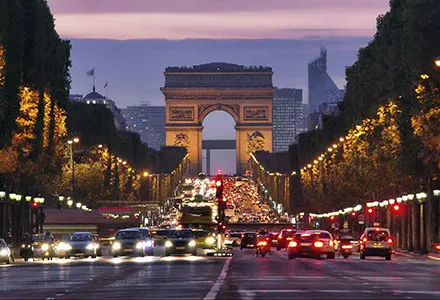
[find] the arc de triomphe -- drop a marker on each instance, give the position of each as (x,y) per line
(246,93)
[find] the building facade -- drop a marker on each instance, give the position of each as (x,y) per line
(148,121)
(287,116)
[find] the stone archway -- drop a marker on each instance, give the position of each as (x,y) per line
(245,93)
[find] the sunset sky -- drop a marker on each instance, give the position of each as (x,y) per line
(130,42)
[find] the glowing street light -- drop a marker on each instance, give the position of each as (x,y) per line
(70,203)
(78,205)
(437,62)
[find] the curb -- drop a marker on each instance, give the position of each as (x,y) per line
(433,256)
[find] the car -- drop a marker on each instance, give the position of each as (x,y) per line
(43,246)
(233,239)
(273,238)
(181,241)
(205,239)
(248,240)
(312,243)
(149,240)
(5,253)
(78,244)
(376,241)
(160,236)
(131,241)
(285,236)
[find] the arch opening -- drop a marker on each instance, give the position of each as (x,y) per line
(219,133)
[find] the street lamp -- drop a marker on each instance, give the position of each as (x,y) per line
(72,163)
(78,205)
(437,62)
(70,203)
(2,194)
(61,198)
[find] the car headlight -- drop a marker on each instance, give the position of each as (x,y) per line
(90,246)
(45,247)
(140,245)
(192,243)
(210,240)
(149,244)
(4,252)
(64,246)
(117,246)
(168,244)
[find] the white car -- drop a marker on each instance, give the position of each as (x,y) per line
(376,242)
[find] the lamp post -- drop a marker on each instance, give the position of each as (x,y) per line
(437,62)
(75,140)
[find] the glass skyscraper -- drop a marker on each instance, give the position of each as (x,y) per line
(287,118)
(322,89)
(148,122)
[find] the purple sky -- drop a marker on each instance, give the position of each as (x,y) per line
(130,43)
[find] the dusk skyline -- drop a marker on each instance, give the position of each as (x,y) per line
(131,43)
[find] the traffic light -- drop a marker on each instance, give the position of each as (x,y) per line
(34,205)
(219,188)
(396,208)
(332,218)
(353,214)
(370,211)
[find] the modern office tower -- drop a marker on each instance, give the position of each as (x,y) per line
(148,121)
(287,117)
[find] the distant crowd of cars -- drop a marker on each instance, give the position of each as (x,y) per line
(374,241)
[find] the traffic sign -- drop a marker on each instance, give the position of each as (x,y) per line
(361,217)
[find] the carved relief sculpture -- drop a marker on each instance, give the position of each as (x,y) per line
(255,142)
(256,113)
(179,113)
(182,140)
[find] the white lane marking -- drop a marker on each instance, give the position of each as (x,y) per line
(253,292)
(246,294)
(212,294)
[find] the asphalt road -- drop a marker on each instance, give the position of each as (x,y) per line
(242,277)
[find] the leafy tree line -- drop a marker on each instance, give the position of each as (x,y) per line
(37,119)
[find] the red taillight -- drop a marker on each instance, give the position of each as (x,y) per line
(292,244)
(289,230)
(437,247)
(347,247)
(390,241)
(364,240)
(263,243)
(318,244)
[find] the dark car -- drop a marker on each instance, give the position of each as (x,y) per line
(43,246)
(248,240)
(285,236)
(273,238)
(78,243)
(131,241)
(181,242)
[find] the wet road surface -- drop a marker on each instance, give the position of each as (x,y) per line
(242,277)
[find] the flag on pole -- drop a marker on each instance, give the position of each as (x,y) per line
(91,72)
(106,84)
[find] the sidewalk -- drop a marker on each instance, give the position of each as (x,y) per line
(405,253)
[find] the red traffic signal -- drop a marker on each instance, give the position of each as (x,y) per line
(396,207)
(332,218)
(353,214)
(34,204)
(370,210)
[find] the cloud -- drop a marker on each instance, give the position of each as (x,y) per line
(278,24)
